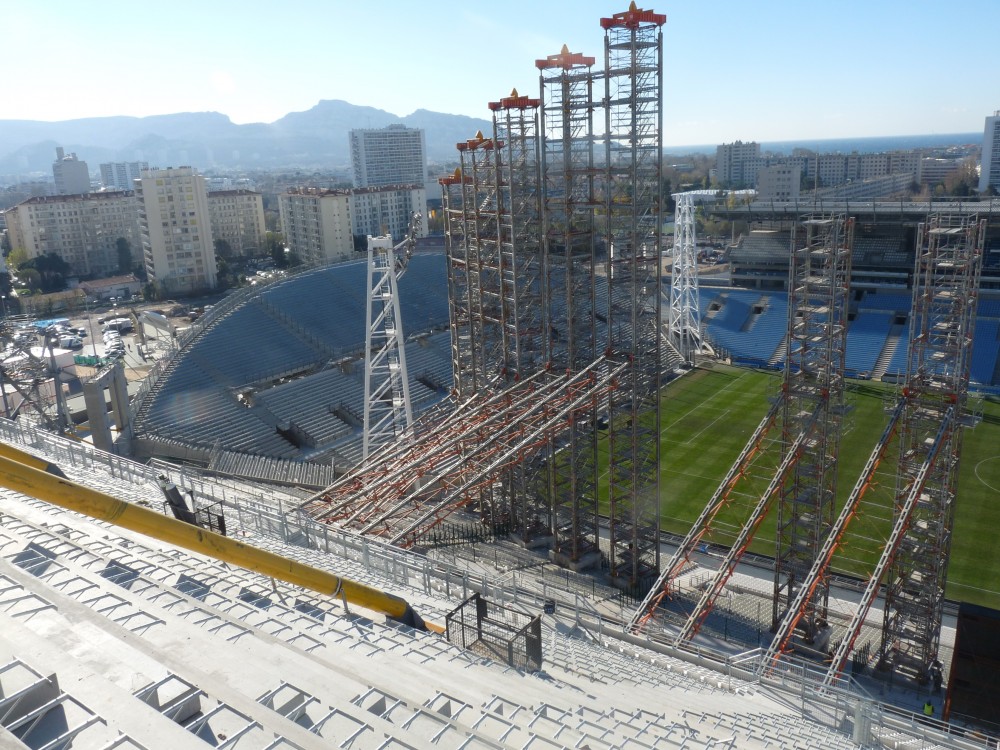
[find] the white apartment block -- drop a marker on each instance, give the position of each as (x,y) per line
(394,155)
(387,210)
(237,216)
(779,182)
(317,224)
(120,175)
(729,163)
(72,176)
(989,173)
(740,164)
(935,170)
(326,226)
(83,230)
(176,230)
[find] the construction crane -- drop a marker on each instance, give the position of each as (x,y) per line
(388,412)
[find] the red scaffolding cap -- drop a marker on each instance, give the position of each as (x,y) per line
(631,18)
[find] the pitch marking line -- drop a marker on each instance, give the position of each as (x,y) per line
(987,484)
(703,403)
(698,434)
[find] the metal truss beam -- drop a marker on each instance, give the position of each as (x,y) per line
(799,608)
(685,315)
(794,451)
(720,500)
(388,411)
(904,516)
(403,493)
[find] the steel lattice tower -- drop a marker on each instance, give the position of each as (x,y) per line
(684,315)
(632,226)
(569,234)
(469,199)
(387,390)
(463,355)
(945,290)
(812,403)
(523,311)
(523,279)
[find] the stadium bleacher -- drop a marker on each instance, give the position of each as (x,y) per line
(289,329)
(109,639)
(729,320)
(866,337)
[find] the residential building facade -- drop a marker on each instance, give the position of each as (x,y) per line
(119,175)
(71,175)
(989,173)
(327,226)
(780,182)
(176,230)
(730,167)
(237,216)
(83,230)
(387,210)
(317,224)
(394,155)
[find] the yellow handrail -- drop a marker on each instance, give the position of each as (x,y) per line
(29,475)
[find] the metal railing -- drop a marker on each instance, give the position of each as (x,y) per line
(276,515)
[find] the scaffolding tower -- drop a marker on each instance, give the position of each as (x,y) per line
(633,222)
(684,322)
(523,304)
(813,389)
(569,206)
(945,292)
(808,410)
(462,269)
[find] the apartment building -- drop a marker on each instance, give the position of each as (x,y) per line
(736,164)
(176,230)
(317,224)
(83,230)
(71,175)
(780,182)
(989,174)
(387,210)
(394,155)
(237,216)
(325,226)
(119,175)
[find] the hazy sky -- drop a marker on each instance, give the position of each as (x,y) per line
(765,70)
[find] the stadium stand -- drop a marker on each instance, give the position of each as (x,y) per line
(984,351)
(746,323)
(109,639)
(216,400)
(878,251)
(866,337)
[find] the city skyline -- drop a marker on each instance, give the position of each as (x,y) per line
(781,72)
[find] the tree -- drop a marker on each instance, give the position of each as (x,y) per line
(52,272)
(17,258)
(124,250)
(278,255)
(223,249)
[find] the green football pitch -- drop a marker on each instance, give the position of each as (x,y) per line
(708,415)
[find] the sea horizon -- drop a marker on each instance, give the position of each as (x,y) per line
(864,145)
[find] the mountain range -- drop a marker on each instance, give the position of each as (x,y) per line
(316,138)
